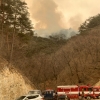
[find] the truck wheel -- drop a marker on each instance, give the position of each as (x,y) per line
(80,98)
(67,98)
(88,97)
(99,97)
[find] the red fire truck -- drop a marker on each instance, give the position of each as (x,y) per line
(75,91)
(96,90)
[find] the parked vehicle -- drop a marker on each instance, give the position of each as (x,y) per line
(49,94)
(35,92)
(71,91)
(75,91)
(86,92)
(31,97)
(96,90)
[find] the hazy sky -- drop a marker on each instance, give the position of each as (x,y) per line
(52,15)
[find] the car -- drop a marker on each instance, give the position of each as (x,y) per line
(35,92)
(50,94)
(31,97)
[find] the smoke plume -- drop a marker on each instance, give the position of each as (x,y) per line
(75,21)
(47,17)
(50,16)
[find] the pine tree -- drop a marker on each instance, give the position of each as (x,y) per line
(14,17)
(90,23)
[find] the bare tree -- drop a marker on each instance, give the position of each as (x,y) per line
(2,21)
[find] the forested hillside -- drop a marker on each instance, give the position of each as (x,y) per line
(80,58)
(77,62)
(18,45)
(48,62)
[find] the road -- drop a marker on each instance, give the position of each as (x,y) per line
(84,99)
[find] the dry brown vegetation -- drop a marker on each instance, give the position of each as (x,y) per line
(48,63)
(80,58)
(77,62)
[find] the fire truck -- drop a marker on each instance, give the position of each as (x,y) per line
(76,92)
(96,90)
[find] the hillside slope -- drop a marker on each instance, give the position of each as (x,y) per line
(51,62)
(97,84)
(75,62)
(80,59)
(12,83)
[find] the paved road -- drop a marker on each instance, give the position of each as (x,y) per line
(84,99)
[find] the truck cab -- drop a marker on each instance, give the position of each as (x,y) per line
(49,94)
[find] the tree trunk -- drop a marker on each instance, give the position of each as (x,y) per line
(13,35)
(2,23)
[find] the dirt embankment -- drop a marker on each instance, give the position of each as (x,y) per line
(12,83)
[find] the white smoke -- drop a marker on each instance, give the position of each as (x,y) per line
(50,16)
(47,17)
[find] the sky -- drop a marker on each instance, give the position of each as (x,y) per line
(49,16)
